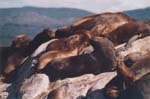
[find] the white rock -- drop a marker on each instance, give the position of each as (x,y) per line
(3,90)
(42,48)
(140,45)
(34,86)
(76,88)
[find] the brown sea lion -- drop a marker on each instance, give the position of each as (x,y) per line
(137,70)
(102,59)
(51,55)
(109,20)
(98,24)
(69,43)
(5,52)
(127,76)
(125,32)
(63,48)
(13,62)
(19,45)
(21,41)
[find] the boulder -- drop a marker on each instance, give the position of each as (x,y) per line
(3,90)
(77,88)
(139,46)
(42,48)
(34,86)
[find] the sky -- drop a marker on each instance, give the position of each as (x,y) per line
(90,5)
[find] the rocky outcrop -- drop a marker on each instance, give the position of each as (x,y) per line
(38,87)
(42,48)
(75,88)
(139,46)
(3,90)
(33,87)
(28,83)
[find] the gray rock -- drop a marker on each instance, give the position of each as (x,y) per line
(34,86)
(139,46)
(3,90)
(77,88)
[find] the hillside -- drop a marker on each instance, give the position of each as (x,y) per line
(143,14)
(31,20)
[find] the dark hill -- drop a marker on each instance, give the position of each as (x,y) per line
(143,14)
(31,20)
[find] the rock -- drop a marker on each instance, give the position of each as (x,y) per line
(22,73)
(42,48)
(34,86)
(87,50)
(3,90)
(77,88)
(26,70)
(141,46)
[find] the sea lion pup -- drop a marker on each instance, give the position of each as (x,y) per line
(63,48)
(69,43)
(21,41)
(102,59)
(127,76)
(20,45)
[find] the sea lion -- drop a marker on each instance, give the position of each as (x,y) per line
(63,48)
(134,30)
(127,77)
(19,45)
(102,59)
(97,24)
(51,55)
(69,43)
